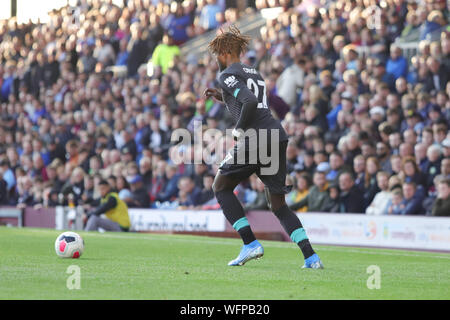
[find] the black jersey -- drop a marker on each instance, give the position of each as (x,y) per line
(234,81)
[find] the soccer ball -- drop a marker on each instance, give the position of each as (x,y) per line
(69,245)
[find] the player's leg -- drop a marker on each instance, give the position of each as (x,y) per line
(95,222)
(92,223)
(275,192)
(291,223)
(294,228)
(223,188)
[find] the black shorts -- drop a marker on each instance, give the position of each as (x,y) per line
(239,165)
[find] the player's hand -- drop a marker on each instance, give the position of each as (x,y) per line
(237,133)
(213,93)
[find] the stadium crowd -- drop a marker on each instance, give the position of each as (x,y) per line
(368,125)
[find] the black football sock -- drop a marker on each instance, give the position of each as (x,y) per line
(292,225)
(306,248)
(233,211)
(246,234)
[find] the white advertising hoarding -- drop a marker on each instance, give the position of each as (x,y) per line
(176,220)
(429,233)
(403,232)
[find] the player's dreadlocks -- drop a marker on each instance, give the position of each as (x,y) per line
(230,41)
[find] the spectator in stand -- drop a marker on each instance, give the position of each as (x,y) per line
(379,204)
(290,80)
(412,200)
(8,174)
(123,188)
(208,16)
(380,73)
(350,199)
(72,152)
(25,192)
(371,187)
(170,191)
(441,206)
(86,63)
(420,154)
(317,198)
(301,189)
(165,53)
(88,194)
(333,204)
(190,193)
(260,201)
(382,153)
(397,64)
(359,169)
(432,27)
(39,169)
(139,196)
(122,56)
(3,189)
(178,23)
(75,186)
(412,173)
(395,206)
(207,193)
(433,168)
(445,167)
(137,49)
(437,76)
(145,170)
(395,139)
(336,166)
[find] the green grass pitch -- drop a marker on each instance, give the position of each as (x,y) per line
(157,266)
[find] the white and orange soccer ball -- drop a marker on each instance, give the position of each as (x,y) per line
(69,245)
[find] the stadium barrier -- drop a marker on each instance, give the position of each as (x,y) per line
(11,216)
(400,232)
(28,217)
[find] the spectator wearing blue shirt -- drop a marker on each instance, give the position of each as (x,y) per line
(177,24)
(190,195)
(412,200)
(8,81)
(208,15)
(346,105)
(394,205)
(39,112)
(170,190)
(8,175)
(431,29)
(397,64)
(122,56)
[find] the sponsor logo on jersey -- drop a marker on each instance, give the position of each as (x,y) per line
(251,70)
(231,81)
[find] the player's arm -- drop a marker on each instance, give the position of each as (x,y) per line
(111,203)
(239,90)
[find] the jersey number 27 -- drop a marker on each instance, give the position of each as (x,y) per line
(258,88)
